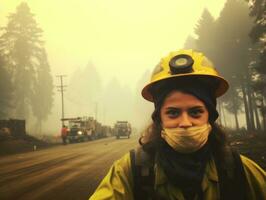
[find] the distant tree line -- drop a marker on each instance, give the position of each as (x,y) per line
(235,42)
(86,95)
(26,84)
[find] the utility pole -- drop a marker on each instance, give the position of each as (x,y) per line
(104,115)
(61,89)
(96,110)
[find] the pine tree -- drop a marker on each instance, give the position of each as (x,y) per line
(85,85)
(42,99)
(232,55)
(206,35)
(234,105)
(6,91)
(20,44)
(258,36)
(190,43)
(85,89)
(258,10)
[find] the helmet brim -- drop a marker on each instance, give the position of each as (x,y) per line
(222,86)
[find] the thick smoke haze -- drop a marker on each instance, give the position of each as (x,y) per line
(107,50)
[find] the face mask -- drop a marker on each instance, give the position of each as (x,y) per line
(186,140)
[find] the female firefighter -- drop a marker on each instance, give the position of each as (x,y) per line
(183,154)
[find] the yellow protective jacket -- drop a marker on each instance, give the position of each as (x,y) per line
(118,183)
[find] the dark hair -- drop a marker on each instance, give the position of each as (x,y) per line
(151,136)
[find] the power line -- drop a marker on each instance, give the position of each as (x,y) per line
(61,88)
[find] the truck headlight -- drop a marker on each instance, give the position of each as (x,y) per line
(80,132)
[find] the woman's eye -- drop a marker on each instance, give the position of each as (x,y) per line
(195,112)
(173,113)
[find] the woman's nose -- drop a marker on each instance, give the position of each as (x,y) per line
(184,121)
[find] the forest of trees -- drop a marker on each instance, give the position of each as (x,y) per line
(235,42)
(86,95)
(26,83)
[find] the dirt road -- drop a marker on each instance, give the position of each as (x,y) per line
(62,172)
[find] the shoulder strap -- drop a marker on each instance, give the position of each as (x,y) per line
(143,174)
(231,174)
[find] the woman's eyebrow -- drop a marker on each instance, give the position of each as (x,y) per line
(173,108)
(177,108)
(197,107)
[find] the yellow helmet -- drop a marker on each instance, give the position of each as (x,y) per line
(185,63)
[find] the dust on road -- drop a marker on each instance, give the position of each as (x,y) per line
(64,172)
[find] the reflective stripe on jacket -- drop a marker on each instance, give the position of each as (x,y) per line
(117,184)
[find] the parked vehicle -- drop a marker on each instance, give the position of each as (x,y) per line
(80,129)
(122,129)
